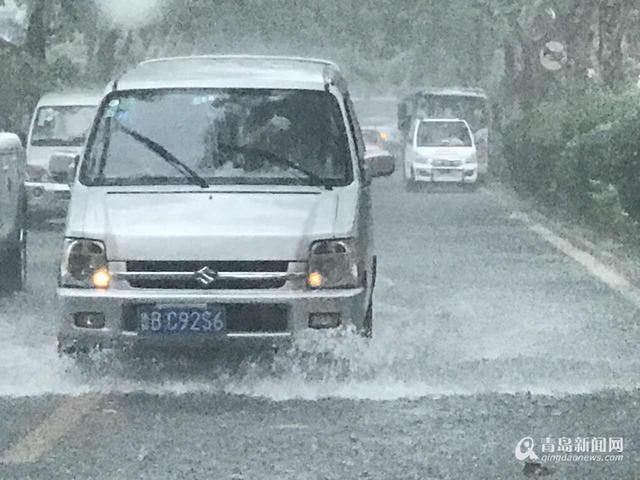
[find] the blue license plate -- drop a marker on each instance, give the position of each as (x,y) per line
(180,320)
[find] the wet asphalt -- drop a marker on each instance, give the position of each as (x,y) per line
(483,334)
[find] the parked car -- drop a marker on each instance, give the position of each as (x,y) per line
(377,115)
(59,126)
(219,197)
(384,137)
(440,150)
(13,252)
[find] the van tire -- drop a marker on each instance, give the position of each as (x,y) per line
(72,349)
(367,329)
(367,323)
(78,351)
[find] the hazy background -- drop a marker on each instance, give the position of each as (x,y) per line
(560,132)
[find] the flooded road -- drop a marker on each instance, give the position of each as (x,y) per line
(484,333)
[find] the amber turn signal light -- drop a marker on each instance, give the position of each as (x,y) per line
(315,280)
(101,278)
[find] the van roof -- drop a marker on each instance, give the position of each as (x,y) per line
(70,98)
(441,120)
(451,92)
(229,71)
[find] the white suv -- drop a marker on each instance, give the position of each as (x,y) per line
(440,151)
(219,197)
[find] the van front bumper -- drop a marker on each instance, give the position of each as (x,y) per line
(121,329)
(465,174)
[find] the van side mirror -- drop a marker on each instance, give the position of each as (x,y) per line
(367,175)
(23,138)
(379,164)
(63,165)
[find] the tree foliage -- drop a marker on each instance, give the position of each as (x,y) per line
(383,45)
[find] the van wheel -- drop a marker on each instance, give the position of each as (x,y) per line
(367,330)
(73,350)
(78,352)
(367,323)
(14,263)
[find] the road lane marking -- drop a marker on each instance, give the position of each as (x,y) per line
(66,416)
(595,267)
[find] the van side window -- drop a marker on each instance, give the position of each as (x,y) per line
(354,125)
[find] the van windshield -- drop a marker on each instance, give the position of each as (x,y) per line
(64,126)
(443,134)
(222,137)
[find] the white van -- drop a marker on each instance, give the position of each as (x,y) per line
(59,125)
(440,150)
(13,240)
(219,197)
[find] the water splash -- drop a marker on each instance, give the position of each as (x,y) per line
(463,342)
(398,363)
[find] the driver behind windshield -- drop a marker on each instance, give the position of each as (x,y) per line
(292,129)
(443,134)
(62,126)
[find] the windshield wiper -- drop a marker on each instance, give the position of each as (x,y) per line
(166,155)
(316,180)
(56,142)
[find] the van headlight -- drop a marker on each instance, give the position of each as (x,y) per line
(333,264)
(84,264)
(471,159)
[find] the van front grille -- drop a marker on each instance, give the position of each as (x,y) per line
(224,275)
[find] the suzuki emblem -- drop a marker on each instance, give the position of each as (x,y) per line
(206,276)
